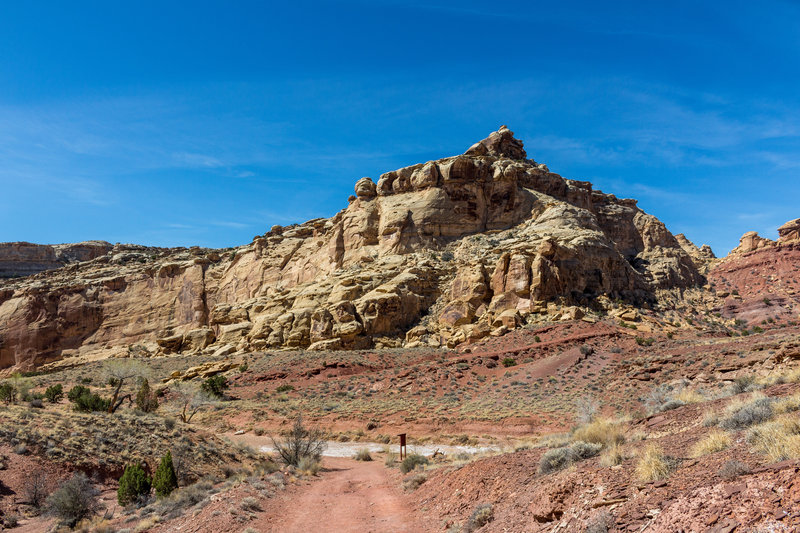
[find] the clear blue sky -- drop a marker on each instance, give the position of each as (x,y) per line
(181,123)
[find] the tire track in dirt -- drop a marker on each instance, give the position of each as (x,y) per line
(351,496)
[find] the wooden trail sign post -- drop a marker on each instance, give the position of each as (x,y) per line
(403,450)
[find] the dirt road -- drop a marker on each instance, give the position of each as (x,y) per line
(350,496)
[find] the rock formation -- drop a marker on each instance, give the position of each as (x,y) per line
(790,232)
(440,252)
(19,259)
(751,241)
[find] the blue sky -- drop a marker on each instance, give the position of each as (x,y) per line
(182,123)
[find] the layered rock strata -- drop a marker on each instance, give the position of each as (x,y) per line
(440,252)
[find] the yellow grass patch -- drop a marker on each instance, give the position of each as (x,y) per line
(653,464)
(715,441)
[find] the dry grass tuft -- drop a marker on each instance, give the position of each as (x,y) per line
(778,439)
(715,441)
(653,464)
(613,456)
(690,396)
(787,405)
(601,431)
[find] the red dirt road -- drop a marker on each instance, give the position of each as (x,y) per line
(351,496)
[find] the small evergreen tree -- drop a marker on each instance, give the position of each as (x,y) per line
(133,485)
(165,480)
(54,393)
(215,386)
(76,392)
(145,398)
(8,393)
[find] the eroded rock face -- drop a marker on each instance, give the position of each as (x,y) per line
(19,259)
(789,232)
(752,241)
(452,250)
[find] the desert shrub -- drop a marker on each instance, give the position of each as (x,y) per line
(76,392)
(481,515)
(250,504)
(778,439)
(258,431)
(215,386)
(54,393)
(89,402)
(715,441)
(750,413)
(36,403)
(411,462)
(391,457)
(363,455)
(74,500)
(300,443)
(10,521)
(644,342)
(164,478)
(308,465)
(146,399)
(599,523)
(745,383)
(653,464)
(184,498)
(8,393)
(509,361)
(36,489)
(284,388)
(560,458)
(554,460)
(733,469)
(169,423)
(134,485)
(671,404)
(414,482)
(584,450)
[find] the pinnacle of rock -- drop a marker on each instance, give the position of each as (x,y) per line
(500,143)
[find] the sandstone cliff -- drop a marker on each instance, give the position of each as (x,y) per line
(440,253)
(19,259)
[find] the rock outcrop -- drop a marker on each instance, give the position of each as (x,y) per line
(440,252)
(751,241)
(19,259)
(789,233)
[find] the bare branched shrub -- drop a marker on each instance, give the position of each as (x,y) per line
(36,489)
(118,372)
(300,443)
(188,400)
(75,500)
(585,409)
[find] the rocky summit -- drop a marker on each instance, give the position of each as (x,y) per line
(438,253)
